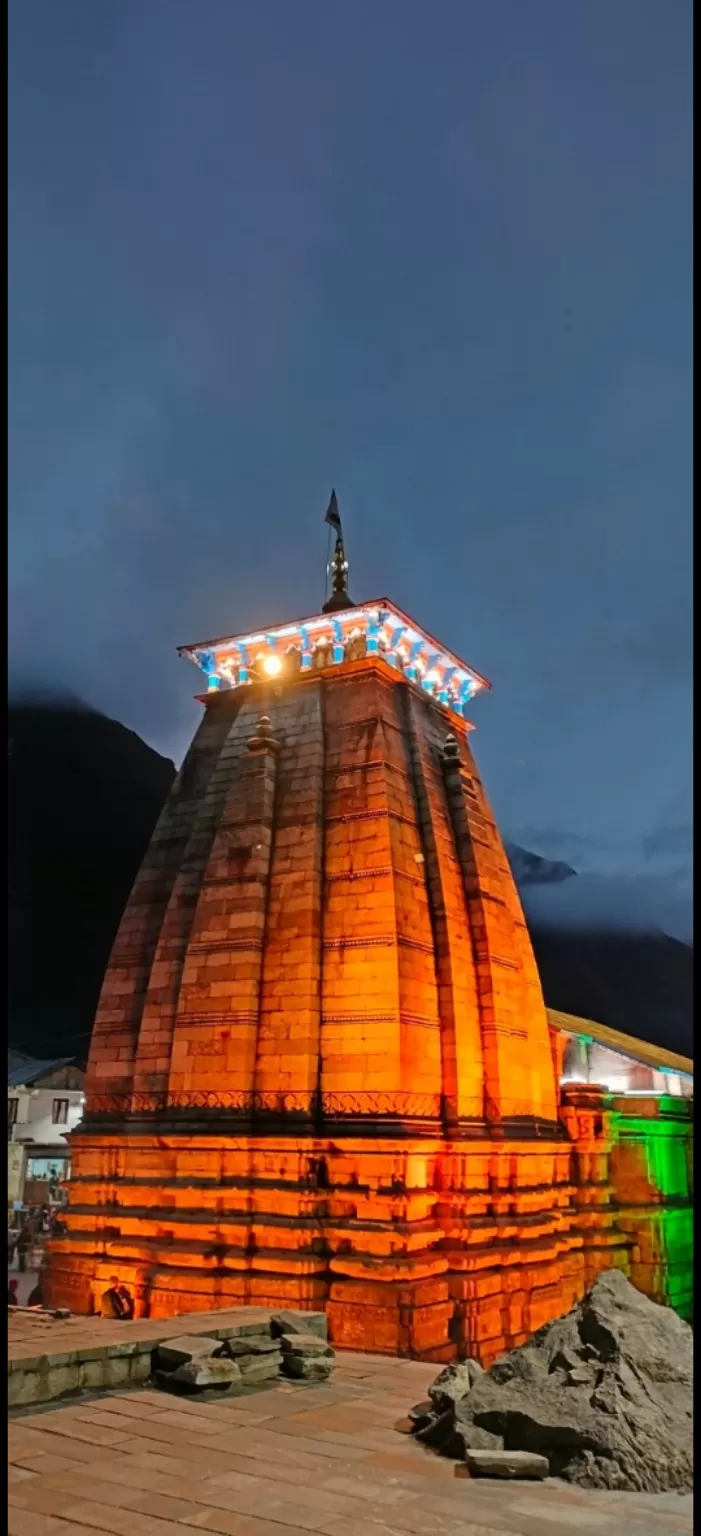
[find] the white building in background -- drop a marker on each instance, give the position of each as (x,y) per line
(45,1101)
(593,1053)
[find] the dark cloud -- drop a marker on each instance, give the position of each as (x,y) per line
(606,903)
(669,842)
(551,844)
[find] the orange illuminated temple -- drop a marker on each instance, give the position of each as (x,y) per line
(322,1074)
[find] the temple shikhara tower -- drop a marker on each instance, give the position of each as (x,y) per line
(322,1074)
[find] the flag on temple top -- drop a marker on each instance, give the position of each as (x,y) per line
(332,513)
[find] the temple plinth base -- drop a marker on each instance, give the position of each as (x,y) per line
(381,1232)
(421,1247)
(392,1309)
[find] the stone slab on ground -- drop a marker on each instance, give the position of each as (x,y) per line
(507,1464)
(67,1334)
(307,1367)
(259,1367)
(299,1322)
(175,1352)
(253,1344)
(196,1375)
(50,1358)
(286,1461)
(306,1357)
(305,1344)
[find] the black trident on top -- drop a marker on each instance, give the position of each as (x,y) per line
(338,565)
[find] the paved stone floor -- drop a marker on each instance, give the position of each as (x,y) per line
(49,1356)
(285,1461)
(31,1333)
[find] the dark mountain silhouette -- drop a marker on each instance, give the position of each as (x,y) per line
(641,983)
(84,797)
(601,956)
(531,869)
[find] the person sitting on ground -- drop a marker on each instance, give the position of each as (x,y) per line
(12,1293)
(127,1301)
(117,1301)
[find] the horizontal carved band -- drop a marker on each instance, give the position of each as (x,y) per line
(205,1018)
(428,1116)
(385,940)
(421,1105)
(361,874)
(383,814)
(222,946)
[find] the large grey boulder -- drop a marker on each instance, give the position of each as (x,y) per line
(454,1383)
(605,1394)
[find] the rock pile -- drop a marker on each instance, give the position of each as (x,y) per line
(294,1343)
(603,1395)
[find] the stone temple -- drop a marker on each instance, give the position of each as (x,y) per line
(322,1074)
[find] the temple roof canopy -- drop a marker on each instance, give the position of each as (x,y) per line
(641,1051)
(329,638)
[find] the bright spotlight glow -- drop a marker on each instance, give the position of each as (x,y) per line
(272,665)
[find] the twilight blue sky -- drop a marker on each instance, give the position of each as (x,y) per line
(436,255)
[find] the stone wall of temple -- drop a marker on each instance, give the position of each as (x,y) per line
(413,1245)
(321,1072)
